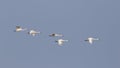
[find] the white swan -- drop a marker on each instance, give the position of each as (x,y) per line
(19,29)
(61,41)
(90,40)
(33,32)
(56,35)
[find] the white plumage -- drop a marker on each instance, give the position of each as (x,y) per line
(33,32)
(90,40)
(19,29)
(61,41)
(56,35)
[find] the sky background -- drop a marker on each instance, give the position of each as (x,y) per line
(75,19)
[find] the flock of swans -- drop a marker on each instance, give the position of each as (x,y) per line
(59,41)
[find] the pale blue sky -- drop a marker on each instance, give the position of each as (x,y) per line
(76,19)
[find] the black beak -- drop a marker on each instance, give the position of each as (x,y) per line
(85,40)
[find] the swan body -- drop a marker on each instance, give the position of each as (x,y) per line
(19,29)
(61,41)
(56,35)
(90,40)
(33,32)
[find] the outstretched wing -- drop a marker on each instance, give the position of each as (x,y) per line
(60,43)
(33,34)
(90,41)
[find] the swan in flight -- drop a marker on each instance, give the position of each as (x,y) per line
(19,29)
(90,40)
(33,32)
(56,35)
(61,41)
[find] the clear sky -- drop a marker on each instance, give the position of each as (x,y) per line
(76,19)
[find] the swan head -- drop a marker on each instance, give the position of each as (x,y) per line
(86,40)
(51,35)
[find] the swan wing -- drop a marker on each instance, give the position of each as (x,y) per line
(90,41)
